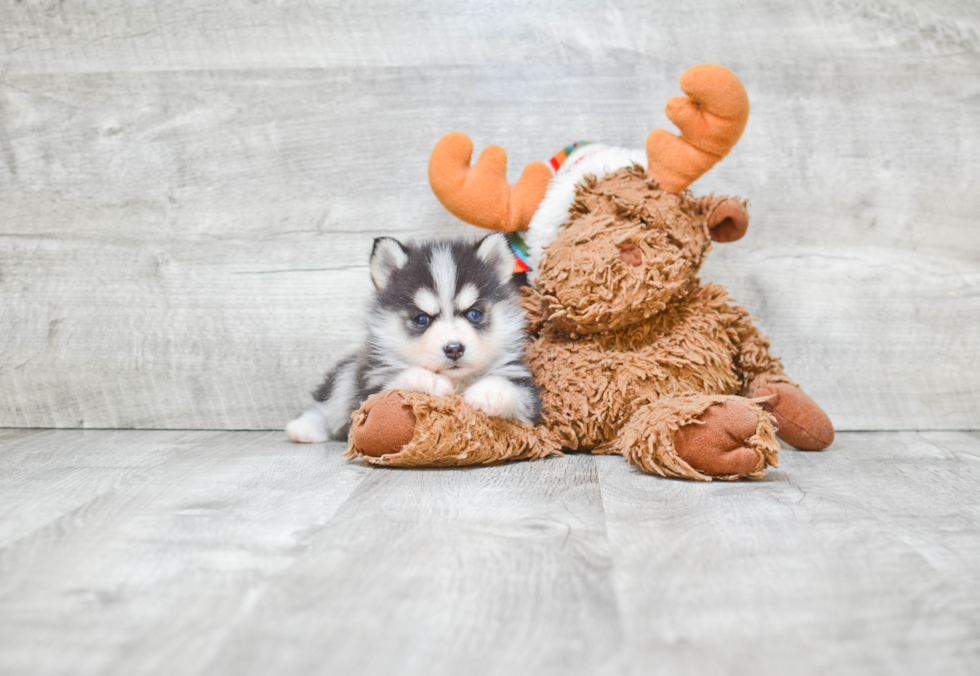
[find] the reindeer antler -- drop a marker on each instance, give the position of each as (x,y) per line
(480,195)
(711,118)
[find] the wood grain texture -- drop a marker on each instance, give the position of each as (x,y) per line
(238,553)
(43,37)
(500,571)
(857,560)
(44,476)
(166,557)
(188,191)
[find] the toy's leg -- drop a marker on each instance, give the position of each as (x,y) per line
(408,429)
(800,422)
(699,437)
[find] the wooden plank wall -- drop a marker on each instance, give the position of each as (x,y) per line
(188,190)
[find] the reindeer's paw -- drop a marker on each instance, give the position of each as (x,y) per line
(721,443)
(800,422)
(383,425)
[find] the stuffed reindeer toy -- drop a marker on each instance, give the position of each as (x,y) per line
(634,355)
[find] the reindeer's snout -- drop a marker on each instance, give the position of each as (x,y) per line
(630,253)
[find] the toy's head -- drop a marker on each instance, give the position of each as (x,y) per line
(610,244)
(627,250)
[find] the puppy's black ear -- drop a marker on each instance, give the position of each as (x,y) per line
(387,256)
(495,251)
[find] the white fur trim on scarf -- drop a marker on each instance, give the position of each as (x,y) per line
(552,213)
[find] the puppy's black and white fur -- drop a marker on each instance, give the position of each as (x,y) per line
(445,320)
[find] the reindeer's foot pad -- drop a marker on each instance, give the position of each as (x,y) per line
(800,422)
(719,442)
(700,437)
(408,429)
(383,425)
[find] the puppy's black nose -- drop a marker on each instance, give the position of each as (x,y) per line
(454,350)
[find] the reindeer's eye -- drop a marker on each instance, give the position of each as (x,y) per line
(475,315)
(421,320)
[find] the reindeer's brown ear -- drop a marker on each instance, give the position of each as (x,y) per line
(728,221)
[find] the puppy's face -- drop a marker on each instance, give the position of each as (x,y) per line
(448,306)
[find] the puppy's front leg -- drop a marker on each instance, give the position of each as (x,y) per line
(497,397)
(309,428)
(422,380)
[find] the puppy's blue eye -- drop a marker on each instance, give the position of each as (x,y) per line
(421,320)
(474,315)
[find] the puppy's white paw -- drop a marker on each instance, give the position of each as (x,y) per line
(424,381)
(306,429)
(494,396)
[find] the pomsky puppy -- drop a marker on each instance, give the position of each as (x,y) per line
(445,320)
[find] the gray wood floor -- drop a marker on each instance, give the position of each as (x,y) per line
(169,552)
